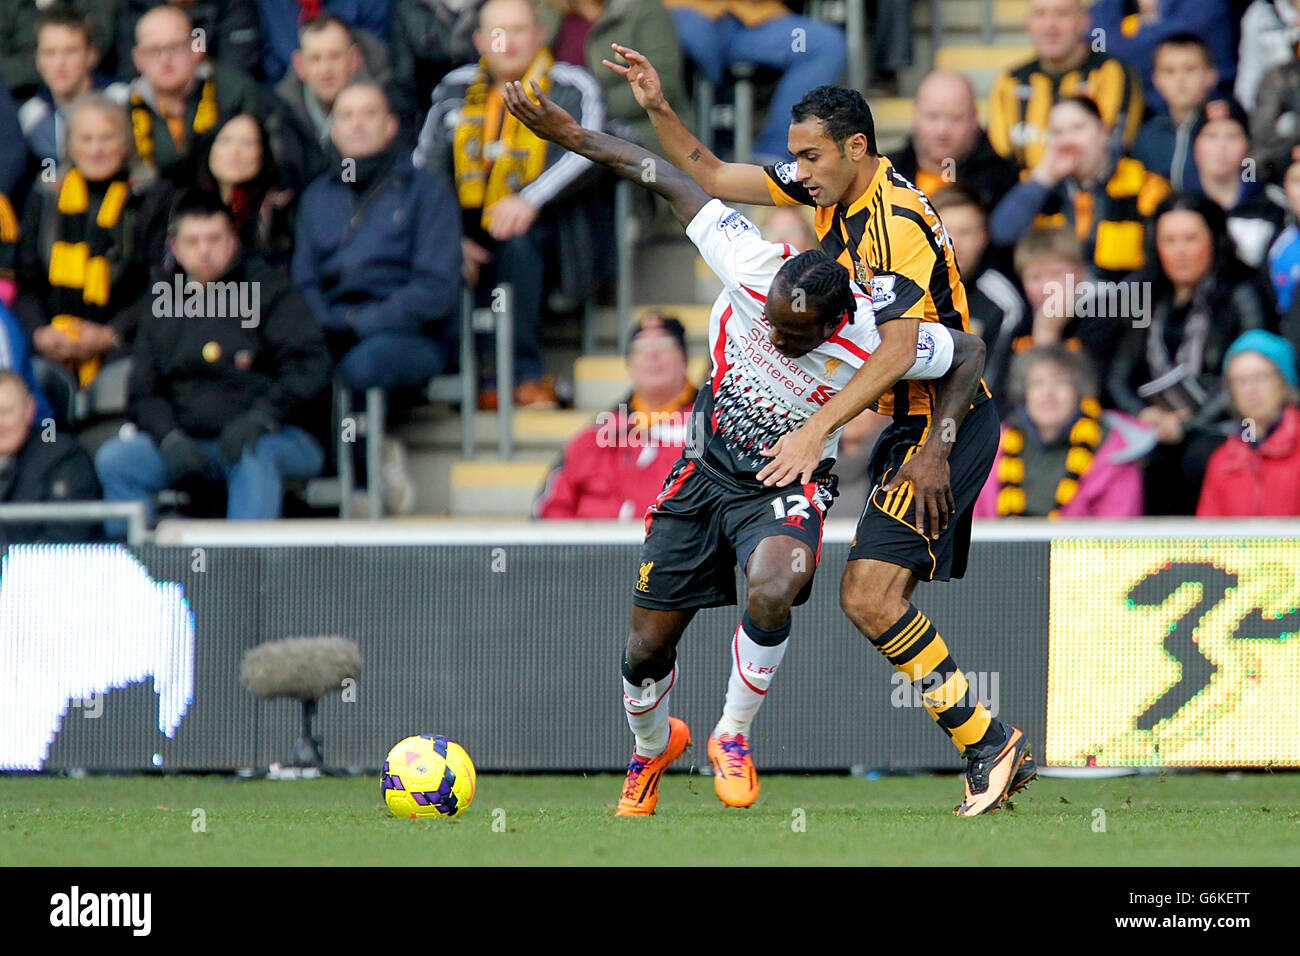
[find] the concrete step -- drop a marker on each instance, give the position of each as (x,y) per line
(969,15)
(981,64)
(494,488)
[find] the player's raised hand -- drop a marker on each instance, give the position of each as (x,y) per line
(931,490)
(639,72)
(543,117)
(795,455)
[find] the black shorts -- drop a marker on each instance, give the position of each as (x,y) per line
(698,530)
(885,531)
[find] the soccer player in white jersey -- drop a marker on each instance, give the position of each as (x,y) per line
(788,331)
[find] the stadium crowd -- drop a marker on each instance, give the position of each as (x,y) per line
(214,210)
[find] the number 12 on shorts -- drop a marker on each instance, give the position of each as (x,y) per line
(798,506)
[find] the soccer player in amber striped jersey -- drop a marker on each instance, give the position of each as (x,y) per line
(787,332)
(916,524)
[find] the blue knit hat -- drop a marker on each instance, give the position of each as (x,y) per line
(1273,347)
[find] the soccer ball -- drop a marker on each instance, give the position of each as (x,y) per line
(428,776)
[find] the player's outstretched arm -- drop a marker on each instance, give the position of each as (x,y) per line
(927,470)
(627,160)
(730,182)
(797,455)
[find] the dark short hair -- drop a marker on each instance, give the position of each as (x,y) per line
(197,202)
(322,22)
(1185,40)
(1085,103)
(825,284)
(843,113)
(66,15)
(956,195)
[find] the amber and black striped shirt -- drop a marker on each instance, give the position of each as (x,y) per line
(1022,98)
(893,243)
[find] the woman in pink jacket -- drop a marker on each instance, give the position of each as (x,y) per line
(1060,455)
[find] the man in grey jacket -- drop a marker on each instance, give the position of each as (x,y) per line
(507,180)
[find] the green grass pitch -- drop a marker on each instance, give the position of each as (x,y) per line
(1175,820)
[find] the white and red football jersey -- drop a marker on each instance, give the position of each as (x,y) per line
(755,394)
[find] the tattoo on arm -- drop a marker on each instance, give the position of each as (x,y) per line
(695,156)
(640,166)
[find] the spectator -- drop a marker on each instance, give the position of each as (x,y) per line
(280,20)
(1284,254)
(997,306)
(241,169)
(18,19)
(13,148)
(1269,32)
(1134,30)
(1227,175)
(1061,455)
(16,357)
(615,469)
(1065,66)
(430,38)
(1077,183)
(581,32)
(716,35)
(376,253)
(1168,372)
(39,464)
(8,251)
(789,224)
(510,204)
(1185,76)
(1275,120)
(230,30)
(948,146)
(66,60)
(328,60)
(219,388)
(180,97)
(378,258)
(88,243)
(1063,309)
(1256,472)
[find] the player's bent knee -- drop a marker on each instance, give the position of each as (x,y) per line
(872,609)
(769,601)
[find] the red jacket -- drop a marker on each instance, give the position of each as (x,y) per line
(615,468)
(1242,481)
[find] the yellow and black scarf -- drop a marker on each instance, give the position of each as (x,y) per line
(80,271)
(495,154)
(1085,438)
(205,117)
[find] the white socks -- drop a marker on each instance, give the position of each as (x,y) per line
(647,713)
(752,668)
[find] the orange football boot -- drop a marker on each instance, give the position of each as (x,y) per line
(988,779)
(641,789)
(734,776)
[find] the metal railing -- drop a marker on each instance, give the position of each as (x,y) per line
(67,512)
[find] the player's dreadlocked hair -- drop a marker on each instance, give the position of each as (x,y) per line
(823,282)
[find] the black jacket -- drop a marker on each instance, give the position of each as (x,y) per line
(198,372)
(983,171)
(1233,305)
(57,470)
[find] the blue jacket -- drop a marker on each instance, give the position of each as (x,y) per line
(1166,149)
(13,148)
(396,267)
(1211,20)
(14,355)
(279,21)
